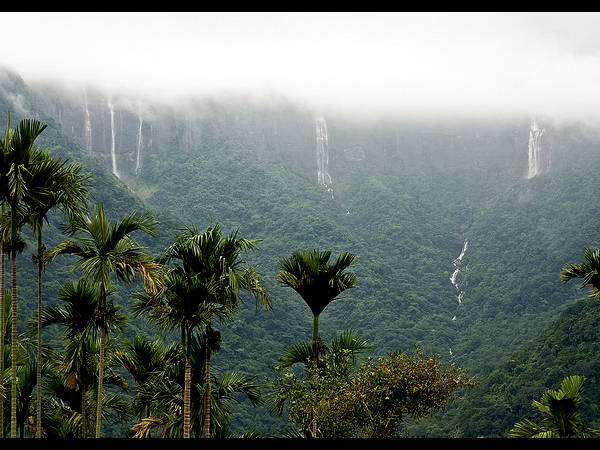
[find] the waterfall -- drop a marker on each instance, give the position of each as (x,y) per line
(88,126)
(538,155)
(457,263)
(323,175)
(188,144)
(138,160)
(112,144)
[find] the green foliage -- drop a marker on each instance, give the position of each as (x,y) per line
(159,399)
(369,401)
(569,344)
(586,271)
(317,280)
(560,411)
(414,192)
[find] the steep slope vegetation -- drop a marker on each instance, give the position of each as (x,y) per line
(569,345)
(406,197)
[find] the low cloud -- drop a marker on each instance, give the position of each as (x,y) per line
(397,65)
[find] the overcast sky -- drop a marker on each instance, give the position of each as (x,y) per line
(415,64)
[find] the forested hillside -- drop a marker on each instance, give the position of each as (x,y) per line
(407,200)
(569,344)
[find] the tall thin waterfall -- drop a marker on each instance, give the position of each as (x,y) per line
(113,155)
(138,159)
(457,263)
(88,126)
(323,175)
(539,156)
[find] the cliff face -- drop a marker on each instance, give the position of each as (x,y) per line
(122,132)
(115,131)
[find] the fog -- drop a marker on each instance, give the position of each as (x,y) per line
(419,65)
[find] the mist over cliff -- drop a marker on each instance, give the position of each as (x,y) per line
(455,155)
(399,65)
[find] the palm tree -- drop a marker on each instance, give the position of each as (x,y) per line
(182,304)
(5,306)
(3,239)
(106,251)
(26,384)
(53,183)
(66,403)
(216,260)
(560,411)
(78,316)
(142,359)
(344,348)
(162,391)
(3,315)
(20,156)
(318,281)
(340,358)
(21,353)
(588,271)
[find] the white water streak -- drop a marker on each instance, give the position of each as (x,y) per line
(112,144)
(538,156)
(88,126)
(323,175)
(138,162)
(456,264)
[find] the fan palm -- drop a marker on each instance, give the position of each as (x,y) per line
(340,356)
(588,271)
(343,348)
(560,411)
(211,264)
(318,281)
(106,251)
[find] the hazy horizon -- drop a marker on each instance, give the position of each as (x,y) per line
(389,65)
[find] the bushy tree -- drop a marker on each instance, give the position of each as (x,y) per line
(372,400)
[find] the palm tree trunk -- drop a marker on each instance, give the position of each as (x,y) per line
(38,432)
(2,330)
(315,365)
(186,396)
(207,392)
(13,353)
(83,418)
(100,380)
(100,314)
